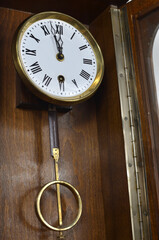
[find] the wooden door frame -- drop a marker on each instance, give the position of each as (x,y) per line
(137,10)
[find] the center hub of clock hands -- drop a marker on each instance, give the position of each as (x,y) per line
(58,40)
(61,78)
(60,57)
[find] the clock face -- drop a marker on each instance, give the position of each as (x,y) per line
(58,58)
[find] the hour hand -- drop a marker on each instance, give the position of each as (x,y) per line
(59,44)
(57,36)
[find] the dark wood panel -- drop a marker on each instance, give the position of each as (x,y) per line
(111,144)
(83,10)
(143,21)
(25,162)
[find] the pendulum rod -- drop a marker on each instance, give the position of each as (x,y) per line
(54,144)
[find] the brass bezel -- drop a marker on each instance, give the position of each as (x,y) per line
(37,90)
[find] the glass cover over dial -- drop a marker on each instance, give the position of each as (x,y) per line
(58,58)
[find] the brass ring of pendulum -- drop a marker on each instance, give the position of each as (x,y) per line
(73,190)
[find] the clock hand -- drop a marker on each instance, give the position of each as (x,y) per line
(59,44)
(54,34)
(58,41)
(59,31)
(61,80)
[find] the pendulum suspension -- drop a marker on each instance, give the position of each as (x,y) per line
(55,153)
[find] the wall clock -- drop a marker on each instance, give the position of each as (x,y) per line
(59,61)
(57,58)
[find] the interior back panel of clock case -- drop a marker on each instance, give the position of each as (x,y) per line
(25,159)
(86,11)
(92,157)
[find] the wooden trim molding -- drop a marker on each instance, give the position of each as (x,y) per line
(143,20)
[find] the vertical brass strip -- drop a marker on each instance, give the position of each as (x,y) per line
(56,158)
(134,156)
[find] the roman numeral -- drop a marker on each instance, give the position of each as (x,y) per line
(59,29)
(85,74)
(83,47)
(35,68)
(74,81)
(45,29)
(30,52)
(36,39)
(87,61)
(47,80)
(62,86)
(72,35)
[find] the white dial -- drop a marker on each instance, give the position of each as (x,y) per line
(60,60)
(39,51)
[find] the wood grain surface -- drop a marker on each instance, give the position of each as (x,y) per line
(143,21)
(26,165)
(111,143)
(85,11)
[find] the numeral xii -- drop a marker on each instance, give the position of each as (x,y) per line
(59,29)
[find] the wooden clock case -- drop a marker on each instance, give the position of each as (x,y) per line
(91,139)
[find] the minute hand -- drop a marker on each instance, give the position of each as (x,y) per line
(57,33)
(59,44)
